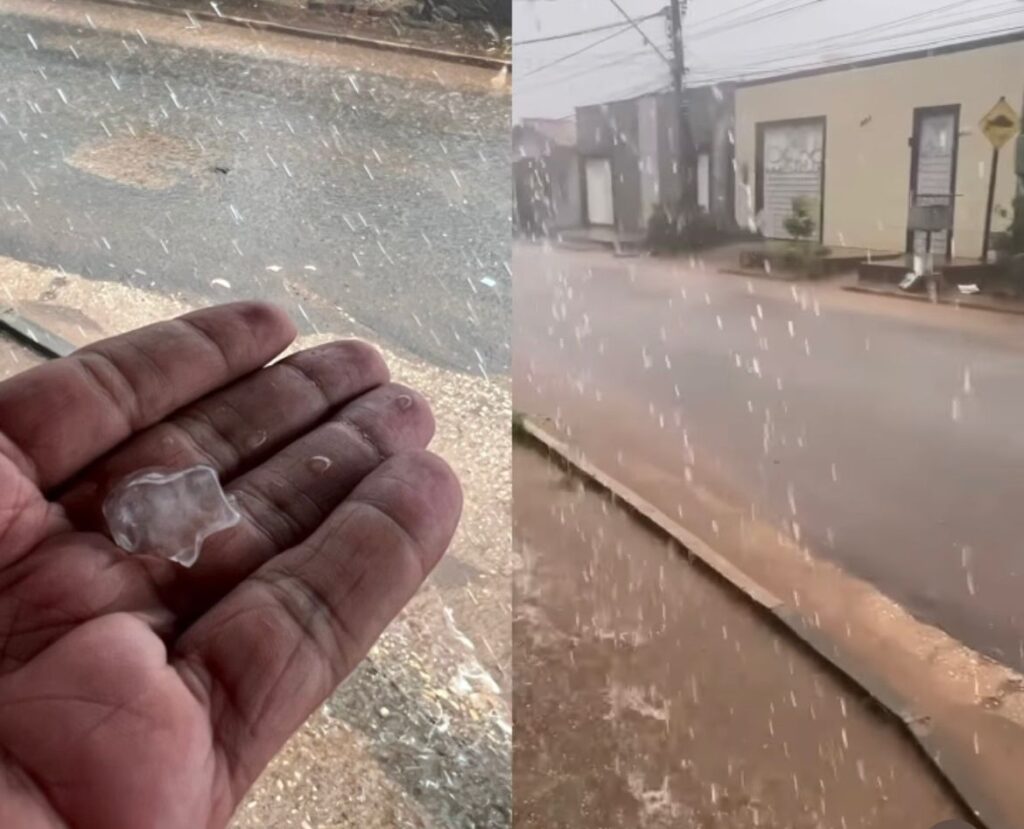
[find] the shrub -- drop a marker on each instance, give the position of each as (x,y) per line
(801,224)
(1014,243)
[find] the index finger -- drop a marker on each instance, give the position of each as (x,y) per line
(63,415)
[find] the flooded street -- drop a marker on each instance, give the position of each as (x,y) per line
(648,695)
(860,429)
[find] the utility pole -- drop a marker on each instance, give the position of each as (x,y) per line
(677,10)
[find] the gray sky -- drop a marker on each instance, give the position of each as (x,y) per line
(791,34)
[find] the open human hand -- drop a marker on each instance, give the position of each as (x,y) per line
(136,693)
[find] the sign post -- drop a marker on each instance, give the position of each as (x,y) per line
(999,125)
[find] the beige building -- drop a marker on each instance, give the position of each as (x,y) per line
(865,140)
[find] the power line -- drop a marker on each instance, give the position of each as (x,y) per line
(728,12)
(633,23)
(735,24)
(622,60)
(866,30)
(588,47)
(795,52)
(742,19)
(710,78)
(578,32)
(897,35)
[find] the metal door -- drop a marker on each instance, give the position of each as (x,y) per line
(792,165)
(704,182)
(933,175)
(600,205)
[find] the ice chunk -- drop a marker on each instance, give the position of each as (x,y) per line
(169,513)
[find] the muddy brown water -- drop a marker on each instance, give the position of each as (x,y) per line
(649,695)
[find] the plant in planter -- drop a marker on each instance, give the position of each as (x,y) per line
(802,255)
(800,223)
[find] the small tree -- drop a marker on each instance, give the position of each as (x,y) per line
(801,224)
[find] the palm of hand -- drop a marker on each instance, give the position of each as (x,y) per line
(134,693)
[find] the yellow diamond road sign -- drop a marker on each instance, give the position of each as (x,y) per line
(1000,124)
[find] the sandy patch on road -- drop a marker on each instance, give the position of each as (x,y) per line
(147,160)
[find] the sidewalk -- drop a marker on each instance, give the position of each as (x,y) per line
(379,22)
(648,695)
(981,302)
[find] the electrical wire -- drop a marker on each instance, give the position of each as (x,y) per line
(735,24)
(622,60)
(625,28)
(579,32)
(792,54)
(728,12)
(643,34)
(711,78)
(941,11)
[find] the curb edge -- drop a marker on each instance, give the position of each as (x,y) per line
(992,309)
(496,64)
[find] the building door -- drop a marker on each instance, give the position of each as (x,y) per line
(933,169)
(600,205)
(791,164)
(704,182)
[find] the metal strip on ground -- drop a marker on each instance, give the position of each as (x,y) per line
(34,336)
(961,774)
(496,64)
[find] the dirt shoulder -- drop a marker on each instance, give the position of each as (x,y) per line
(390,23)
(649,695)
(177,30)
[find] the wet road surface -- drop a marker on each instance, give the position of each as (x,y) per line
(280,168)
(648,695)
(881,434)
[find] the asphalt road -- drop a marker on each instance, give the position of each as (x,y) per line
(882,434)
(340,181)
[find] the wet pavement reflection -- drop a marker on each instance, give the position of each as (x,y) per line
(648,695)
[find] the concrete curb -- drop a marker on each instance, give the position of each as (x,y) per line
(36,337)
(960,772)
(971,306)
(752,274)
(497,64)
